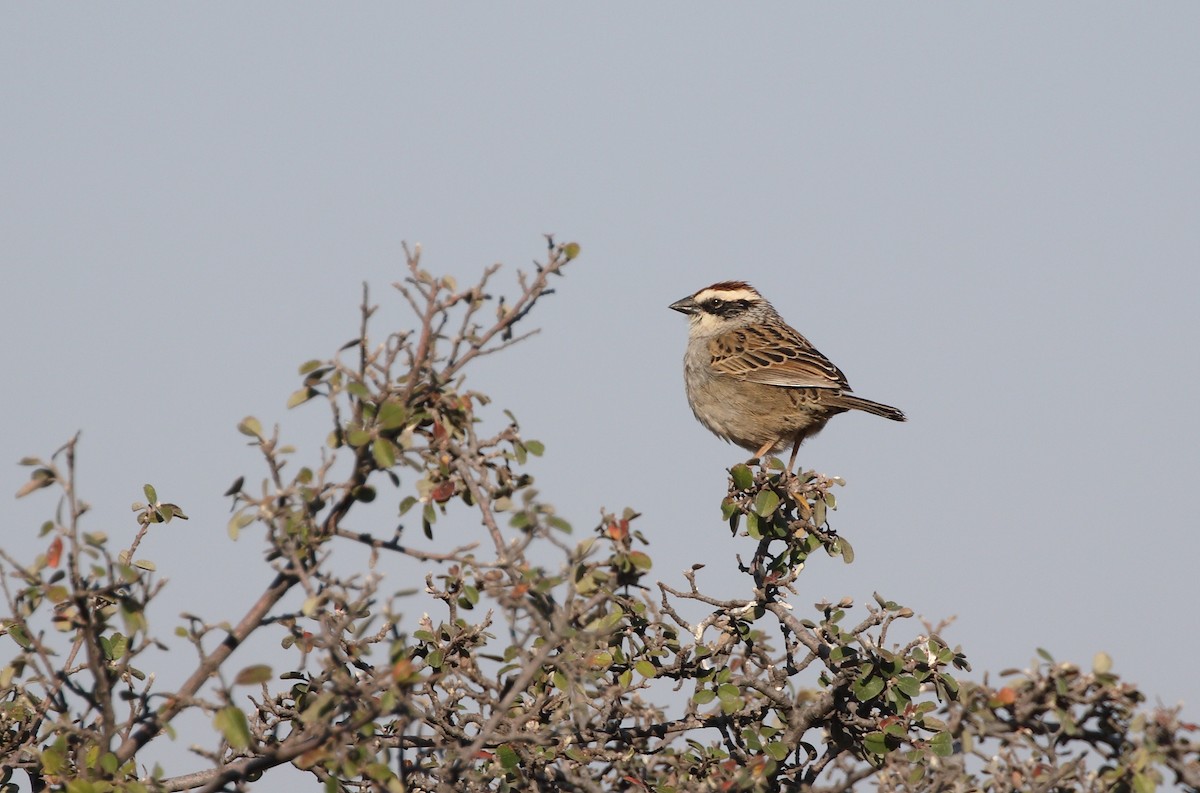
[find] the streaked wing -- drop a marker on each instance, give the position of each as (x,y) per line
(773,356)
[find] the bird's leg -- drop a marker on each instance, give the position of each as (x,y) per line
(762,452)
(795,451)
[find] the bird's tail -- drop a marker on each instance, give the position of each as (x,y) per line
(879,409)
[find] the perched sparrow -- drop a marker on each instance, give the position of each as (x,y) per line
(753,380)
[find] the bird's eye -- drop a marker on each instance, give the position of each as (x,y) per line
(716,304)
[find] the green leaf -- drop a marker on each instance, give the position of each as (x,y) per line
(571,250)
(41,477)
(308,366)
(777,750)
(145,564)
(600,660)
(316,709)
(392,415)
(640,560)
(932,722)
(909,686)
(300,397)
(586,583)
(253,675)
(232,724)
(18,634)
(115,647)
(645,668)
(384,453)
(846,549)
(728,508)
(250,426)
(614,618)
(508,757)
(765,503)
(53,760)
(875,743)
(743,478)
(942,744)
(869,688)
(238,522)
(751,737)
(607,622)
(151,494)
(704,696)
(536,448)
(752,527)
(172,511)
(819,515)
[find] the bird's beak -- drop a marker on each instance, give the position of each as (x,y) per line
(685,306)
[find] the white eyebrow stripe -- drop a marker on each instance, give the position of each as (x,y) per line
(730,295)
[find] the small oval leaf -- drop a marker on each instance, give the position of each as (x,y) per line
(253,675)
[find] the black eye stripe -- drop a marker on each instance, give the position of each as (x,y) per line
(725,308)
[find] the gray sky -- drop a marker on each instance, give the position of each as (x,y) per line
(986,215)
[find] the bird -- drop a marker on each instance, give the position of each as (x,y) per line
(753,380)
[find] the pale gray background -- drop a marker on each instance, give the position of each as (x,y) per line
(985,214)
